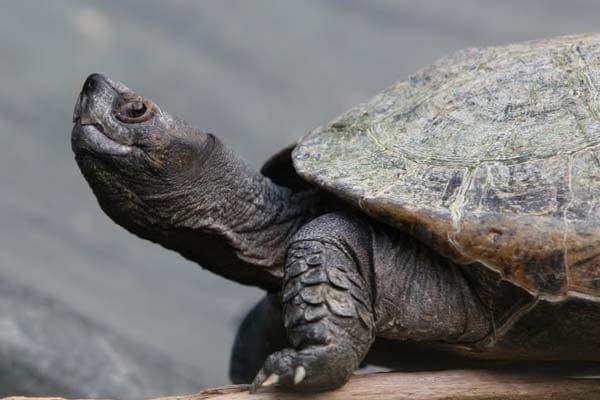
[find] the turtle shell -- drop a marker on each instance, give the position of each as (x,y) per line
(491,156)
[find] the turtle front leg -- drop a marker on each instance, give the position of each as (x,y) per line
(326,308)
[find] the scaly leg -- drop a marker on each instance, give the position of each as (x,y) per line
(327,308)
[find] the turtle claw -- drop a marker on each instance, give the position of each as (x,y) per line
(299,374)
(279,369)
(271,380)
(260,378)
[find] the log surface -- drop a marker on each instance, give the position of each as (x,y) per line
(439,385)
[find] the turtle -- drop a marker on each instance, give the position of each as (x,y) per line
(458,211)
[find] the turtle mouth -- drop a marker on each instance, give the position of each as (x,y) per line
(92,138)
(91,130)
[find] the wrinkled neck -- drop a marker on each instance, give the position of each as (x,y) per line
(234,221)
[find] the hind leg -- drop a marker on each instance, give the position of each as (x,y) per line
(260,334)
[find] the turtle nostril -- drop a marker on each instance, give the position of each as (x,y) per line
(92,83)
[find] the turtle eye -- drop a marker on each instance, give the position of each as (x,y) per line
(135,111)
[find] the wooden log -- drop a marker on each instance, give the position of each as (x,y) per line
(439,385)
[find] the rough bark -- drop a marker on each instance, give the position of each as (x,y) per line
(440,385)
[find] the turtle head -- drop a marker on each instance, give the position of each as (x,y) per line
(170,183)
(132,153)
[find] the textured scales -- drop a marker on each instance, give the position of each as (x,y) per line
(489,155)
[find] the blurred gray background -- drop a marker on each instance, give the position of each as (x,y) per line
(256,73)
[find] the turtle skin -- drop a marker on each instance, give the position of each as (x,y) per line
(456,211)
